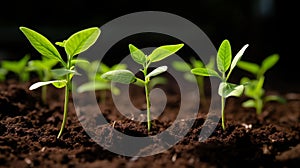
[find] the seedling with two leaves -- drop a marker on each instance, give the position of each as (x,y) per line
(186,69)
(224,63)
(94,70)
(254,87)
(18,67)
(127,77)
(74,45)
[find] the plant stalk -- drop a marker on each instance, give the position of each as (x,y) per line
(148,105)
(44,94)
(223,111)
(65,111)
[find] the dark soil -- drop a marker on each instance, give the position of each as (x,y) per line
(28,130)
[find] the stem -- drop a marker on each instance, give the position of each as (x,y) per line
(223,111)
(259,104)
(67,88)
(148,104)
(44,94)
(201,89)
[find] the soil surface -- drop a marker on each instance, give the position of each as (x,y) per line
(28,130)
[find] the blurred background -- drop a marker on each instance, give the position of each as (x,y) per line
(268,26)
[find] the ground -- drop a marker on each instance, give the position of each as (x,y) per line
(28,130)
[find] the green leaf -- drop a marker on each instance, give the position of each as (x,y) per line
(269,62)
(137,55)
(197,63)
(205,72)
(249,103)
(224,56)
(119,66)
(61,44)
(157,81)
(163,51)
(157,71)
(230,89)
(274,98)
(62,72)
(42,44)
(120,76)
(81,41)
(16,66)
(238,57)
(56,83)
(80,61)
(248,66)
(92,86)
(181,66)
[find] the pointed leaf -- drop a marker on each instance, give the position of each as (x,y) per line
(205,72)
(42,44)
(157,71)
(163,51)
(121,76)
(181,66)
(137,55)
(81,41)
(224,56)
(275,98)
(229,89)
(62,72)
(248,66)
(238,57)
(92,86)
(269,62)
(56,83)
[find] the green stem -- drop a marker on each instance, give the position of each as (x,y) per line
(148,105)
(223,112)
(44,94)
(259,104)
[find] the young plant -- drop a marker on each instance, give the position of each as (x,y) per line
(74,45)
(127,77)
(18,67)
(186,68)
(43,69)
(254,88)
(3,73)
(226,89)
(94,70)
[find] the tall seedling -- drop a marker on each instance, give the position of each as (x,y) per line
(226,89)
(74,45)
(127,77)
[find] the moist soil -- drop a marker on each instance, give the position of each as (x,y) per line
(28,130)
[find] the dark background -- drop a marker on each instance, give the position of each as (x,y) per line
(268,26)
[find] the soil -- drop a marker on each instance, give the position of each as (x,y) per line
(28,130)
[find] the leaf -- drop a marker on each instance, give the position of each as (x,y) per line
(120,76)
(119,66)
(92,86)
(157,71)
(81,41)
(56,83)
(163,51)
(62,72)
(196,63)
(238,57)
(137,55)
(249,104)
(42,44)
(274,98)
(181,66)
(61,44)
(248,66)
(205,72)
(230,89)
(80,61)
(224,56)
(269,62)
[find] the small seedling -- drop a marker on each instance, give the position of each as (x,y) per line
(186,68)
(74,45)
(254,88)
(43,69)
(127,77)
(226,89)
(3,73)
(18,67)
(94,70)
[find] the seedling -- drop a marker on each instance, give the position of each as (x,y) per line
(127,77)
(3,73)
(17,67)
(186,68)
(43,69)
(94,70)
(74,45)
(226,89)
(254,88)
